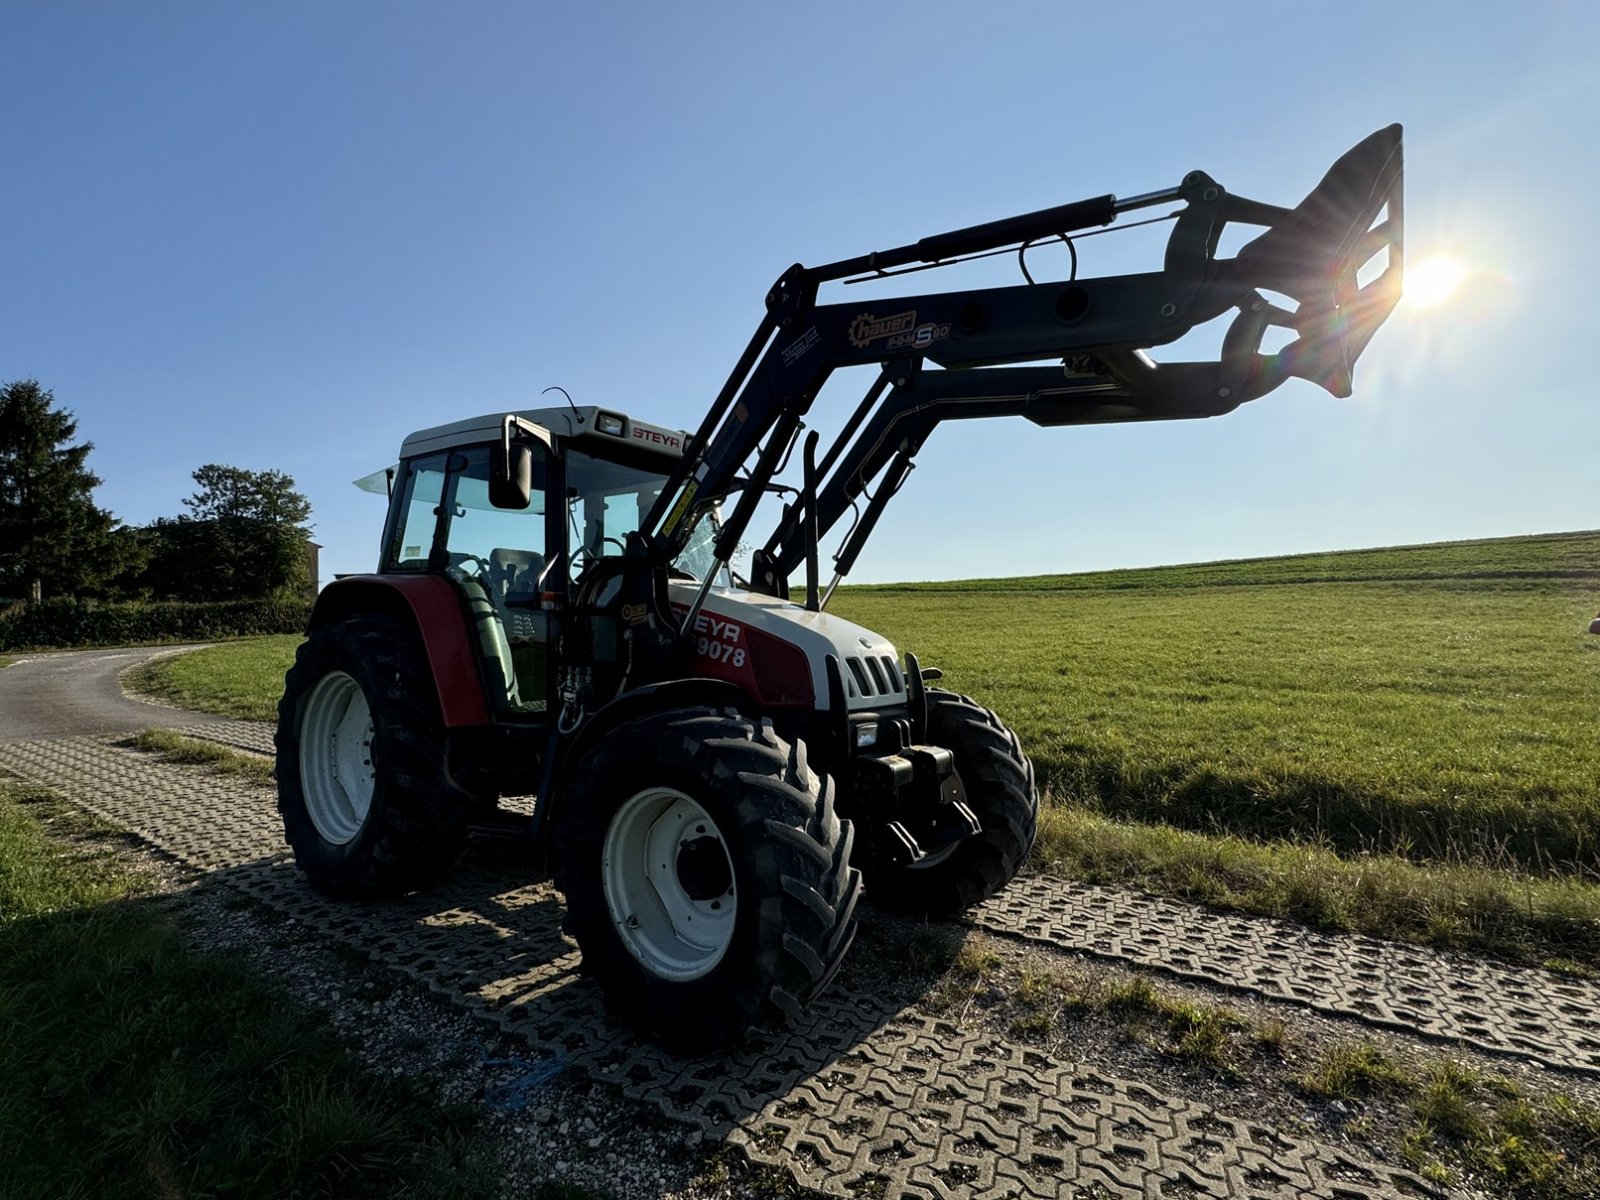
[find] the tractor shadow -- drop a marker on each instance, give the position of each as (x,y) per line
(489,940)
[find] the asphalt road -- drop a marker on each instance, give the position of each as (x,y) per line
(74,692)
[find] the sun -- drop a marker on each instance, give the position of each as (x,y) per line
(1434,280)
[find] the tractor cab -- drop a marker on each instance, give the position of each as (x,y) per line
(528,517)
(589,477)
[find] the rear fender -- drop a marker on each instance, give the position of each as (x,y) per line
(433,607)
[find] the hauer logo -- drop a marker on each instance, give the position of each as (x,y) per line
(670,440)
(867,328)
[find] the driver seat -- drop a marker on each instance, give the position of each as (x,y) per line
(515,571)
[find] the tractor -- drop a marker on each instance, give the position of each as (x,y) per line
(713,768)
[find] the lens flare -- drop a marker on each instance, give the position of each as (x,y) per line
(1434,280)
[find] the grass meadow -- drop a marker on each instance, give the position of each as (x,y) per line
(1440,703)
(240,679)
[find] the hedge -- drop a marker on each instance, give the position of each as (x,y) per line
(67,622)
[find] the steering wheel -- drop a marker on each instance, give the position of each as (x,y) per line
(587,552)
(480,569)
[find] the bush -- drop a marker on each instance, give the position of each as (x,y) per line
(64,622)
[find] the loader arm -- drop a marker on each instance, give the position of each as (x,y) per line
(953,355)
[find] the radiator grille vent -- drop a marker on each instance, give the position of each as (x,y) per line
(873,675)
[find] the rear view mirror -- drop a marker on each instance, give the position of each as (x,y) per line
(510,475)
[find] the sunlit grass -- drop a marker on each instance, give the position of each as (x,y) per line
(1438,704)
(236,679)
(1527,919)
(1527,1145)
(1449,716)
(173,747)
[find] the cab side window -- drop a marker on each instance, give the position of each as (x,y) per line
(420,493)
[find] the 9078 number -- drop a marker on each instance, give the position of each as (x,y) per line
(720,651)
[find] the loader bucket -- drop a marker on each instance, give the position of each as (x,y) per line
(1315,253)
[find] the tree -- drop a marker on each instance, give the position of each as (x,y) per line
(243,538)
(53,539)
(233,492)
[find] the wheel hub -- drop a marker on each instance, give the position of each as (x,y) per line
(703,870)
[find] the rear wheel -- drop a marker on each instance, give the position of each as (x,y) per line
(706,875)
(998,781)
(360,742)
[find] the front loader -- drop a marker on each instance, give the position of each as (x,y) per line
(719,773)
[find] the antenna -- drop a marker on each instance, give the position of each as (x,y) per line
(563,391)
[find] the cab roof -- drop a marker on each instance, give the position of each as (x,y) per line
(571,423)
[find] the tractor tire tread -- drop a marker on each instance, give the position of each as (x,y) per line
(999,781)
(785,834)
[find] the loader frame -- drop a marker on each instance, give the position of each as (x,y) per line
(987,344)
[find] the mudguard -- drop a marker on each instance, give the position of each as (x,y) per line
(432,604)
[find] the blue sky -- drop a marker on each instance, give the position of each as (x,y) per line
(286,235)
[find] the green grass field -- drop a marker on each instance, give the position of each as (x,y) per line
(235,679)
(1440,702)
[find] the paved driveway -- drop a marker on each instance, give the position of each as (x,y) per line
(72,692)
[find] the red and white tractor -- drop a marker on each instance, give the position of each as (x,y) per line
(721,772)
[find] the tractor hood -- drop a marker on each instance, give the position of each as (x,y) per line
(733,627)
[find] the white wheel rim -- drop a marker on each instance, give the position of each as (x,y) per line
(336,775)
(661,910)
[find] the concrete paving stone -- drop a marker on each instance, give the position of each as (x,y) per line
(837,1102)
(1528,1013)
(254,736)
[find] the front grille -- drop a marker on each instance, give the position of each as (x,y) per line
(872,675)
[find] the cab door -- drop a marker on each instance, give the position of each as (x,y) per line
(497,558)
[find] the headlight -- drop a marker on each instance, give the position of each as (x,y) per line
(866,735)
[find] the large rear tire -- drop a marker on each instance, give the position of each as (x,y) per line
(360,764)
(707,876)
(998,780)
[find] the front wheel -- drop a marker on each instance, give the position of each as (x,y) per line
(998,781)
(706,875)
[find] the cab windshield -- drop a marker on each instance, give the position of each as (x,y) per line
(607,501)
